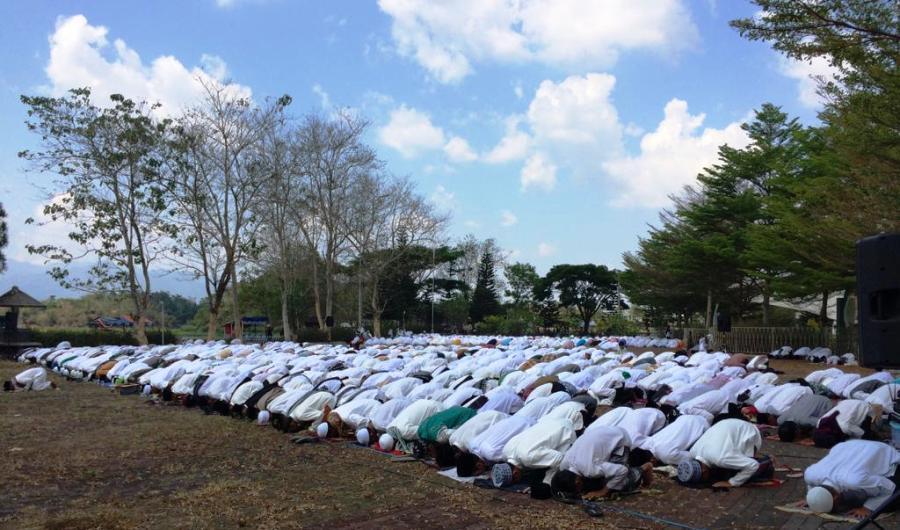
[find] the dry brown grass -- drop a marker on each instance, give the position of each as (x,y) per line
(83,457)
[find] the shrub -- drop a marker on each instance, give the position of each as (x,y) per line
(96,337)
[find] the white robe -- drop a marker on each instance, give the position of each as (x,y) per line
(408,421)
(591,453)
(671,445)
(489,444)
(542,445)
(641,423)
(33,379)
(463,436)
(857,465)
(780,398)
(730,444)
(852,413)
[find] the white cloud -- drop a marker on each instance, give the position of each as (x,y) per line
(44,231)
(78,58)
(447,37)
(507,218)
(576,111)
(443,198)
(807,75)
(324,99)
(545,249)
(538,172)
(410,132)
(671,157)
(513,146)
(633,129)
(458,150)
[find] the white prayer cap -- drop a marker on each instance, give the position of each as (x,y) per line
(262,418)
(386,442)
(147,390)
(322,430)
(64,345)
(819,500)
(362,437)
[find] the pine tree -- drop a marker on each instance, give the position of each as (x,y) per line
(484,300)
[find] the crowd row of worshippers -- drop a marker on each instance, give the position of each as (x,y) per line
(569,417)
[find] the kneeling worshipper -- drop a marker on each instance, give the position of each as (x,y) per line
(30,379)
(405,427)
(349,417)
(467,464)
(801,418)
(672,444)
(726,456)
(598,463)
(776,401)
(436,430)
(488,446)
(532,452)
(850,418)
(856,477)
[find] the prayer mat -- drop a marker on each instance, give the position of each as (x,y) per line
(794,508)
(514,488)
(451,474)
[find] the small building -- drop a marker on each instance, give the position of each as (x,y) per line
(12,340)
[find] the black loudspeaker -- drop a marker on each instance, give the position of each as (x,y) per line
(329,321)
(878,286)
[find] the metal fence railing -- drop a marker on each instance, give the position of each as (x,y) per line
(767,339)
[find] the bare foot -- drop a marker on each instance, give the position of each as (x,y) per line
(723,485)
(859,513)
(647,473)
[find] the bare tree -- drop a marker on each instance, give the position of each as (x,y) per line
(219,182)
(332,156)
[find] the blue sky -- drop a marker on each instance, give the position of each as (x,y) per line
(557,127)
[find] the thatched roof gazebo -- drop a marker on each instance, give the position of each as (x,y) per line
(11,339)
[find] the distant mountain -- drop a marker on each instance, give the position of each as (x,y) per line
(33,279)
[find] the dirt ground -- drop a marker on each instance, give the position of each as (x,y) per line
(84,457)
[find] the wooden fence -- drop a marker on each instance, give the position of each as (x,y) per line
(767,339)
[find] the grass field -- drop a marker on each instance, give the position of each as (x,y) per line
(83,457)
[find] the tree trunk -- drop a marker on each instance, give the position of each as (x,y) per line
(317,293)
(285,315)
(376,323)
(765,307)
(823,309)
(708,308)
(140,330)
(238,332)
(212,325)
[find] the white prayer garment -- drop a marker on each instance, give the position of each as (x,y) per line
(708,404)
(356,413)
(851,414)
(600,452)
(858,465)
(570,410)
(671,444)
(730,444)
(385,414)
(780,398)
(611,418)
(840,383)
(885,396)
(883,377)
(312,409)
(819,375)
(641,423)
(489,444)
(408,421)
(243,392)
(33,379)
(542,445)
(540,406)
(463,436)
(502,399)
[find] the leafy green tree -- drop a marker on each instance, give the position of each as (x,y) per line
(856,188)
(4,238)
(110,164)
(179,309)
(484,299)
(586,288)
(521,278)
